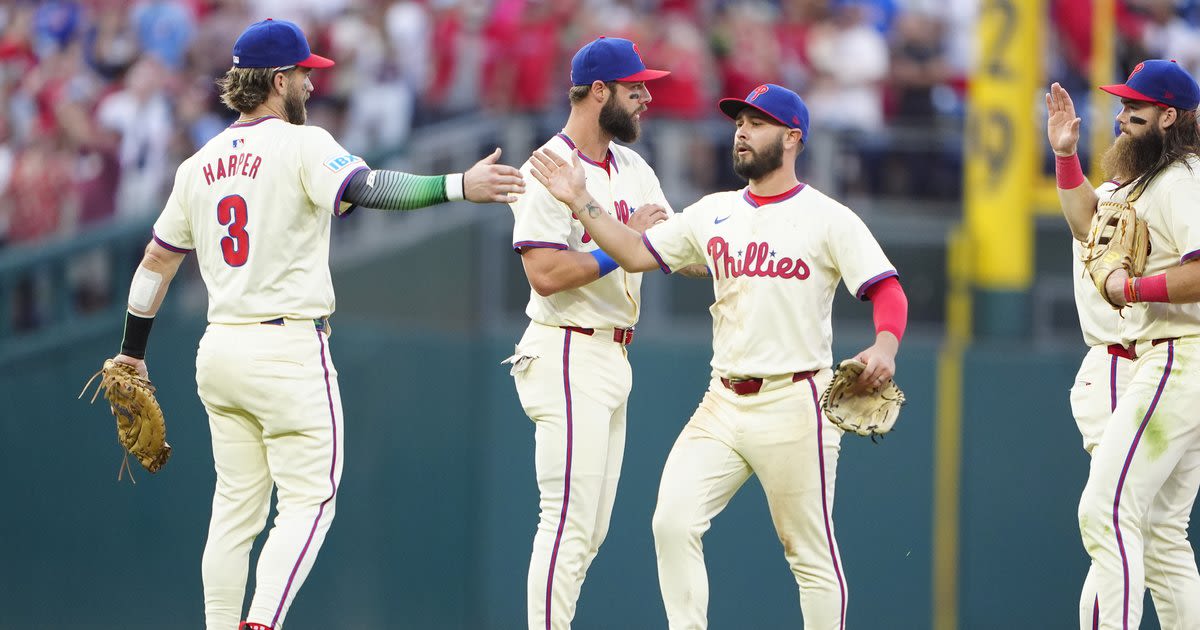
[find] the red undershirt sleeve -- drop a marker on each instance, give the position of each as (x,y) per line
(890,306)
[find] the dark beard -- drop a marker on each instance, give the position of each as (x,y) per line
(615,122)
(1130,157)
(759,164)
(293,108)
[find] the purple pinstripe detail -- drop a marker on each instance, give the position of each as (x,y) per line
(1096,614)
(337,198)
(825,504)
(536,244)
(654,252)
(1162,384)
(168,246)
(1112,384)
(562,518)
(862,290)
(1189,256)
(332,484)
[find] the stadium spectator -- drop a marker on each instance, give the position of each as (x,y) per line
(850,60)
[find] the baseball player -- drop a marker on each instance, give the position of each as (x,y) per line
(1145,469)
(1102,378)
(777,250)
(571,369)
(255,205)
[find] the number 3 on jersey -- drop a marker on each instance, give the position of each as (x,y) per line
(232,213)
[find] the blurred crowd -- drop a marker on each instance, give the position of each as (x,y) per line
(100,99)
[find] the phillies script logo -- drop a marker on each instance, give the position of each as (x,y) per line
(758,261)
(623,212)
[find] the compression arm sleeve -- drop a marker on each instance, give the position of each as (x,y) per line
(393,190)
(890,307)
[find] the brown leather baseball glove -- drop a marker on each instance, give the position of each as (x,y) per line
(869,413)
(1118,240)
(141,428)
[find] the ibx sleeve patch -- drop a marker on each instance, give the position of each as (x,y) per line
(338,163)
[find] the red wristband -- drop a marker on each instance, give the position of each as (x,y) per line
(1152,289)
(1130,291)
(1068,171)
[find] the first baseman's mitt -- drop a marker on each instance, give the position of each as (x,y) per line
(1118,240)
(141,428)
(869,413)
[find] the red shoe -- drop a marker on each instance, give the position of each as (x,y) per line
(247,625)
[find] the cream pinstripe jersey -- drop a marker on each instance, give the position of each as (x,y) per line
(1171,207)
(1099,321)
(255,204)
(540,220)
(775,268)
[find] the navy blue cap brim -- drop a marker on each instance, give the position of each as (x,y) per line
(731,107)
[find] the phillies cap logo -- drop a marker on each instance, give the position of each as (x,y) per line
(1136,69)
(758,91)
(636,51)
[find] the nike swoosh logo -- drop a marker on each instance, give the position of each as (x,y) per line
(717,221)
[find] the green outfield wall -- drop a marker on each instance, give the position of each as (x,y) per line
(438,501)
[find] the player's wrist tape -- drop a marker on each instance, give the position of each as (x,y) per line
(1149,289)
(137,335)
(607,264)
(1068,171)
(455,187)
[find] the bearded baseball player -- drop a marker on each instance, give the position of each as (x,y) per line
(255,205)
(1102,379)
(777,250)
(1145,469)
(571,368)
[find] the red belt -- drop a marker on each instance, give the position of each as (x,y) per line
(1118,350)
(623,336)
(747,386)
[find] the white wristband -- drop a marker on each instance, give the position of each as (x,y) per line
(455,190)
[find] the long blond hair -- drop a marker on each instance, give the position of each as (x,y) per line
(244,89)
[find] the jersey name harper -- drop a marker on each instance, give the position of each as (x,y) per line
(244,164)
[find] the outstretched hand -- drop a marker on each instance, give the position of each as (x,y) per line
(490,181)
(1062,125)
(565,180)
